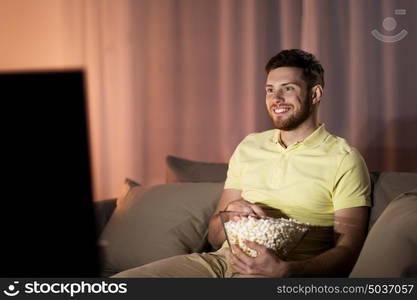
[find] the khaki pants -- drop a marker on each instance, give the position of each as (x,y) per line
(206,265)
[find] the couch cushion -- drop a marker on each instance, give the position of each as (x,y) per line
(151,223)
(184,170)
(391,246)
(386,187)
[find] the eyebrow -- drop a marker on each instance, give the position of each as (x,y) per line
(286,83)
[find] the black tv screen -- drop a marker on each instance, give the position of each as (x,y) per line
(47,222)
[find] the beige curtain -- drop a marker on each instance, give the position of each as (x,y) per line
(185,77)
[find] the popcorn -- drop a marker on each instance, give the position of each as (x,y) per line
(279,234)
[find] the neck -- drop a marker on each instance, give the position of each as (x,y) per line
(298,134)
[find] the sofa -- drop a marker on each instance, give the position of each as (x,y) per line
(147,223)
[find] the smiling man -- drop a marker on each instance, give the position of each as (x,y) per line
(295,170)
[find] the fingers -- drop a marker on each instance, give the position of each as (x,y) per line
(255,209)
(237,260)
(245,207)
(241,205)
(238,267)
(243,263)
(255,246)
(240,255)
(265,264)
(238,252)
(258,211)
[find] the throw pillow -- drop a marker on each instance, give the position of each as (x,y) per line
(391,246)
(104,208)
(152,223)
(184,170)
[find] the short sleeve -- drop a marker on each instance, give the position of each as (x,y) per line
(234,172)
(352,186)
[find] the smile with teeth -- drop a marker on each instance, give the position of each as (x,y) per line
(280,110)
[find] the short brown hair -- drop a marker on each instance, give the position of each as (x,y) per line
(313,72)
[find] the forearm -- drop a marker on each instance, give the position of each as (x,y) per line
(336,262)
(216,235)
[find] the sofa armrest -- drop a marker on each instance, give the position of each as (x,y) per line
(103,210)
(386,186)
(391,246)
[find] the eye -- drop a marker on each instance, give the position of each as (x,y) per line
(269,90)
(288,89)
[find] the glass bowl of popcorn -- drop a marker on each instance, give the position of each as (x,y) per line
(279,234)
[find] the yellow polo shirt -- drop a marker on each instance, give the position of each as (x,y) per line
(307,181)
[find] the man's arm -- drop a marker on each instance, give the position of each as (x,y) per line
(216,235)
(231,201)
(350,224)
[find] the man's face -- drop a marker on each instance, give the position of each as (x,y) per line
(287,99)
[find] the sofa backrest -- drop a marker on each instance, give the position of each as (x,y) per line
(385,187)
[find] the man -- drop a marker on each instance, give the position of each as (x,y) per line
(298,170)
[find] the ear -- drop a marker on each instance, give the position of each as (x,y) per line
(316,94)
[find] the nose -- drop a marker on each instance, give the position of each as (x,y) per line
(277,97)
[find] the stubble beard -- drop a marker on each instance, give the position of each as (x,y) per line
(295,119)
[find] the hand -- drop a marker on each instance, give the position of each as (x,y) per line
(245,207)
(266,264)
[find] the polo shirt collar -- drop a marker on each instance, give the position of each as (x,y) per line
(315,138)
